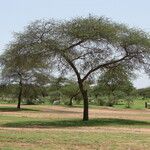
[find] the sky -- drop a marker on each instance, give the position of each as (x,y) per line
(16,14)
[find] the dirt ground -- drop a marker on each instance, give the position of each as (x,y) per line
(60,112)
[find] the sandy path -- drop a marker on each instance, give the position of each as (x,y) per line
(83,129)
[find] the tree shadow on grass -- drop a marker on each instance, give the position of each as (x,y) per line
(77,123)
(13,109)
(53,111)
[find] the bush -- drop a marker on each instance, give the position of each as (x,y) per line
(106,101)
(7,100)
(101,101)
(129,102)
(34,101)
(66,101)
(55,95)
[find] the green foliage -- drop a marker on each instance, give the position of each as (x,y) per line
(129,101)
(145,92)
(71,91)
(54,96)
(114,84)
(57,83)
(91,28)
(33,101)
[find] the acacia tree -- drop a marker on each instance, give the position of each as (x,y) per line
(57,83)
(35,88)
(113,80)
(85,46)
(71,90)
(19,68)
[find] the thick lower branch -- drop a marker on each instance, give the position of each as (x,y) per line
(102,66)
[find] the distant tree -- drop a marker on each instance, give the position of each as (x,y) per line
(35,89)
(20,68)
(70,90)
(144,92)
(115,83)
(56,83)
(7,91)
(115,79)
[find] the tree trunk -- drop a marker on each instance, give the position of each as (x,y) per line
(86,107)
(70,102)
(20,94)
(85,102)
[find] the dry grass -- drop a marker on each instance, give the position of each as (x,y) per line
(96,137)
(69,112)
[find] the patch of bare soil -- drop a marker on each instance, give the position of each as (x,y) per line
(85,129)
(60,112)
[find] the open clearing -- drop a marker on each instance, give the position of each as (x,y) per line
(56,127)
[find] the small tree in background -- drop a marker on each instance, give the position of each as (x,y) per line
(21,68)
(114,80)
(70,90)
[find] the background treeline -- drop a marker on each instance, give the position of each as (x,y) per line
(66,92)
(144,92)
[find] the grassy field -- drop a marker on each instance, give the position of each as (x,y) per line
(137,104)
(46,127)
